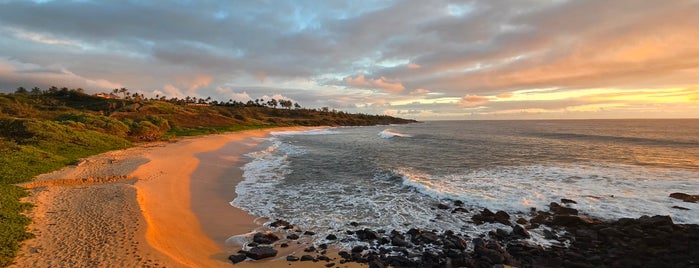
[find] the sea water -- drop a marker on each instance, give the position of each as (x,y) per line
(393,177)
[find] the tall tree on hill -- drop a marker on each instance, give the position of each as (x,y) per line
(124,91)
(36,91)
(21,90)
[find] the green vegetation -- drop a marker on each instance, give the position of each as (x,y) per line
(41,131)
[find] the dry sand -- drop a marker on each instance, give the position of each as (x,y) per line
(160,204)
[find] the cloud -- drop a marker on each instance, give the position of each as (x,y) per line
(504,95)
(382,83)
(472,101)
(312,51)
(413,66)
(420,91)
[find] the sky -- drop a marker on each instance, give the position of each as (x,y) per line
(425,60)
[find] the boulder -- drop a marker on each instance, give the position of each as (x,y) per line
(570,220)
(331,237)
(292,258)
(685,197)
(258,253)
(279,223)
(264,238)
(237,258)
(502,217)
(307,258)
(568,201)
(366,235)
(442,206)
(292,236)
(519,231)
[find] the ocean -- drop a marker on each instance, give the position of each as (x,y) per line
(394,177)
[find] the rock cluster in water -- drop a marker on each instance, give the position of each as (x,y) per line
(578,241)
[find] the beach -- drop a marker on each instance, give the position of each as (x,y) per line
(163,204)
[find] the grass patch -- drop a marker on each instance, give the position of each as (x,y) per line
(30,147)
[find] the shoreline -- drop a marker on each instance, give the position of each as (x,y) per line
(159,204)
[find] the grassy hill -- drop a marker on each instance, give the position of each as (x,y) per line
(44,131)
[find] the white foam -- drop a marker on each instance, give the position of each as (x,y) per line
(322,131)
(605,191)
(389,133)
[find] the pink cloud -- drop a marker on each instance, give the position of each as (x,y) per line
(382,83)
(414,66)
(419,91)
(472,101)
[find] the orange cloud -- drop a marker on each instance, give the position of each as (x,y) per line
(473,101)
(414,66)
(382,82)
(504,95)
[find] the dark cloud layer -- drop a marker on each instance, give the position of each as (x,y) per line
(355,54)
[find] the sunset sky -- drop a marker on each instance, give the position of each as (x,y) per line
(490,59)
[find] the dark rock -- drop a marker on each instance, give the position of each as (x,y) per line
(331,237)
(455,242)
(309,233)
(307,258)
(344,255)
(485,216)
(323,246)
(284,245)
(384,240)
(655,221)
(253,244)
(399,261)
(570,220)
(553,206)
(566,211)
(354,223)
(540,219)
(685,197)
(549,235)
(292,236)
(264,238)
(366,235)
(459,209)
(376,264)
(323,258)
(399,241)
(519,231)
(331,264)
(237,258)
(358,249)
(502,217)
(458,203)
(310,249)
(442,206)
(521,221)
(292,258)
(568,201)
(680,208)
(258,253)
(611,232)
(426,237)
(279,223)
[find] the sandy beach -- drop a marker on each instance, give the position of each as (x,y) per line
(161,204)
